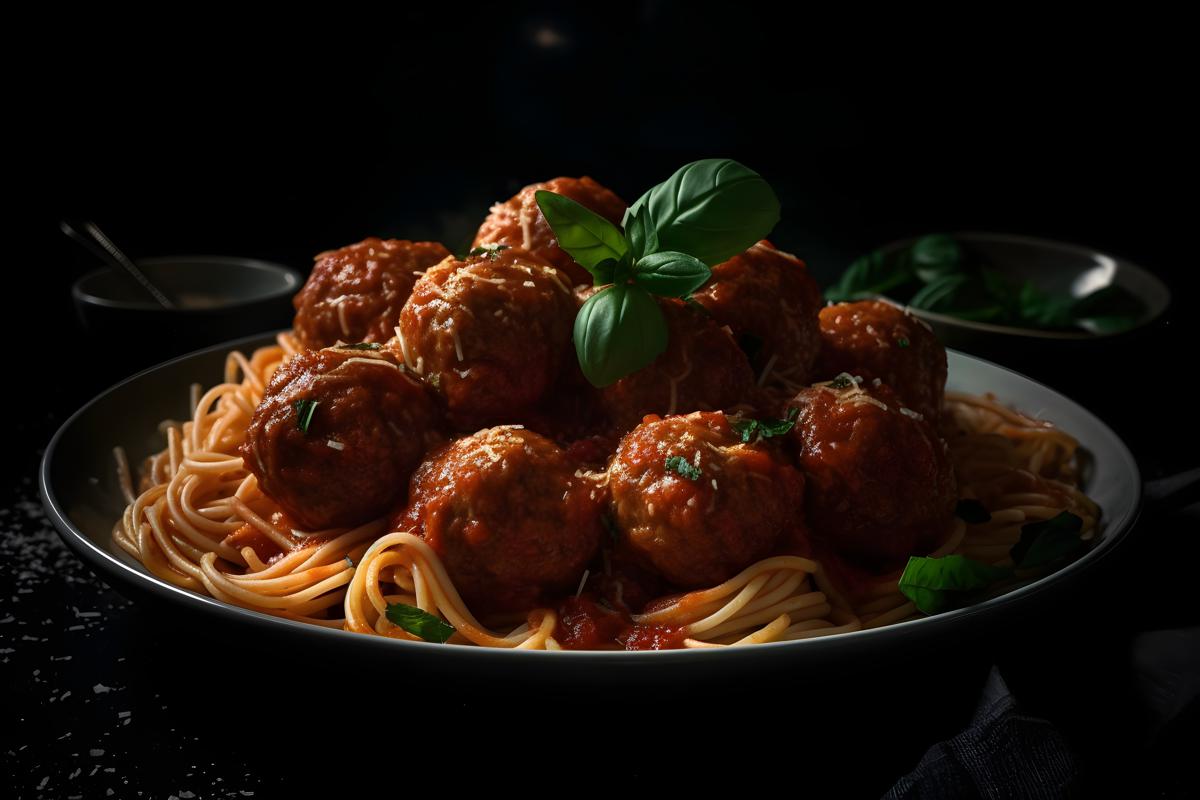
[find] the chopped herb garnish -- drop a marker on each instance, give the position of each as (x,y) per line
(972,512)
(843,381)
(902,342)
(304,413)
(435,380)
(764,429)
(361,346)
(349,561)
(419,623)
(683,468)
(492,251)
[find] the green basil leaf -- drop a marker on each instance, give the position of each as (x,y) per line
(870,275)
(1108,310)
(936,584)
(1040,309)
(419,623)
(589,238)
(683,468)
(1043,543)
(619,330)
(670,274)
(959,295)
(712,209)
(972,511)
(935,255)
(640,233)
(605,272)
(361,346)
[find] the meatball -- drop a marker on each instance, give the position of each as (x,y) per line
(880,485)
(518,222)
(702,369)
(509,514)
(770,302)
(877,340)
(489,333)
(355,294)
(337,435)
(697,504)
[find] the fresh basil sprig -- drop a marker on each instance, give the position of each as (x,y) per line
(936,584)
(706,213)
(419,623)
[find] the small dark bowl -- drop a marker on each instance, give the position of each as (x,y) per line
(217,298)
(1059,357)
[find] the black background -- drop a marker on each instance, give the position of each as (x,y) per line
(250,141)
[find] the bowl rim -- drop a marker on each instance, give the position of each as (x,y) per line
(291,283)
(1035,333)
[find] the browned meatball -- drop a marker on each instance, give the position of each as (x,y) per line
(337,434)
(489,334)
(697,504)
(770,302)
(874,339)
(519,222)
(510,516)
(702,369)
(355,294)
(880,485)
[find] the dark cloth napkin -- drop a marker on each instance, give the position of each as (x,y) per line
(1002,753)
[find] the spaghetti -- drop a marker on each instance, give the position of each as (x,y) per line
(198,514)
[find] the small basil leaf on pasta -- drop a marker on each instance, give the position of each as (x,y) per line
(683,468)
(304,413)
(1043,543)
(670,274)
(619,330)
(972,512)
(712,209)
(936,584)
(361,346)
(589,238)
(419,623)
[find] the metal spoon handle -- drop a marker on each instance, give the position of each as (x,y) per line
(123,261)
